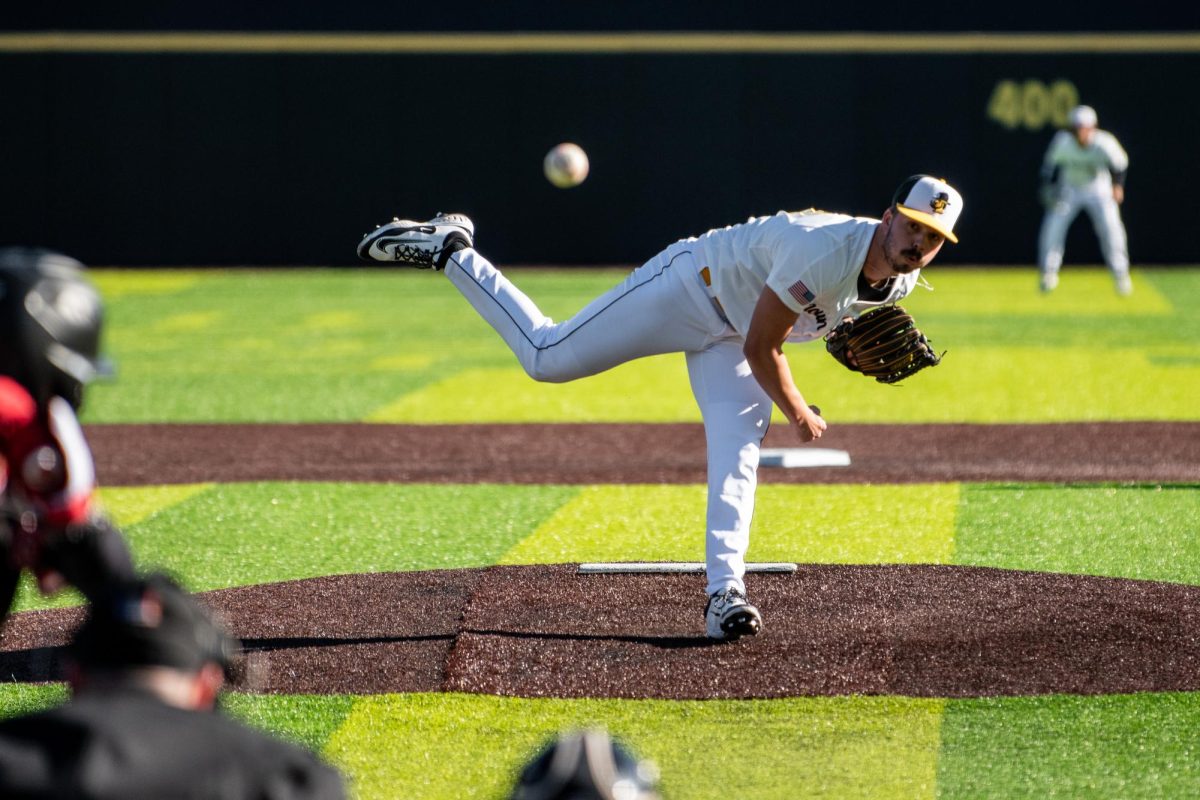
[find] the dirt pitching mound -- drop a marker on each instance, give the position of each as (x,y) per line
(543,631)
(135,455)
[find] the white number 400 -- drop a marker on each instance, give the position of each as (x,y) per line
(1032,104)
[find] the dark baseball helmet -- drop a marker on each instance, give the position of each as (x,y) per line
(50,320)
(586,765)
(148,622)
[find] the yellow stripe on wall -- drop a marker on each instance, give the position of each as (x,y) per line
(593,43)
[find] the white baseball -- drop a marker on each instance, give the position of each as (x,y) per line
(566,165)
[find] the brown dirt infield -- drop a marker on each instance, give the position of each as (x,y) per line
(133,455)
(921,630)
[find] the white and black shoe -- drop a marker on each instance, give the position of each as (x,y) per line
(425,245)
(729,615)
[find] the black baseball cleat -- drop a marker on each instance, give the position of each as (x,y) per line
(424,245)
(728,615)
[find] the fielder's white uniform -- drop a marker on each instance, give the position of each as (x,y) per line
(812,260)
(1084,182)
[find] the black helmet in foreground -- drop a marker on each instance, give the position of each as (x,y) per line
(50,321)
(587,765)
(151,621)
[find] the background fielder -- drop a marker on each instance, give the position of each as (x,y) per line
(1084,169)
(728,300)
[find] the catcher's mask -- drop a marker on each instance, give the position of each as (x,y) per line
(50,322)
(586,765)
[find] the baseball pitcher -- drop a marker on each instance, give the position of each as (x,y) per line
(728,300)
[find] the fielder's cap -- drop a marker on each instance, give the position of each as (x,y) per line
(1082,117)
(930,201)
(151,622)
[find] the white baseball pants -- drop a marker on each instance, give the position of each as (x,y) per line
(662,307)
(1095,198)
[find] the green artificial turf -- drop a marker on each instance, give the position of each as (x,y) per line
(244,534)
(402,346)
(309,720)
(287,345)
(17,699)
(257,533)
(1111,746)
(1146,532)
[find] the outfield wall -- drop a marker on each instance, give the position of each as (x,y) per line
(255,151)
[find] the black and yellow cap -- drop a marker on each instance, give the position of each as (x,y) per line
(930,201)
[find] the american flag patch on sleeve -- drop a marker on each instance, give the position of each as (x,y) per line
(801,292)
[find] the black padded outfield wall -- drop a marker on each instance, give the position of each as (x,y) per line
(275,152)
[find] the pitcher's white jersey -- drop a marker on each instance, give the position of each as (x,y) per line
(1078,165)
(811,259)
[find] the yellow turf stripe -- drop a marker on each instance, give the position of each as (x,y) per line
(187,322)
(507,394)
(133,504)
(613,523)
(420,745)
(856,524)
(119,283)
(836,524)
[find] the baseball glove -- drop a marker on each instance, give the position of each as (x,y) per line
(1049,194)
(883,344)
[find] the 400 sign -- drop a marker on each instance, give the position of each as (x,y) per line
(1032,104)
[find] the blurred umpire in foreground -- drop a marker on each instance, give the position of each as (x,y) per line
(586,765)
(145,670)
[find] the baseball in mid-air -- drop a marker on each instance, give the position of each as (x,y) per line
(566,165)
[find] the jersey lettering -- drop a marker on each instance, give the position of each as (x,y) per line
(817,314)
